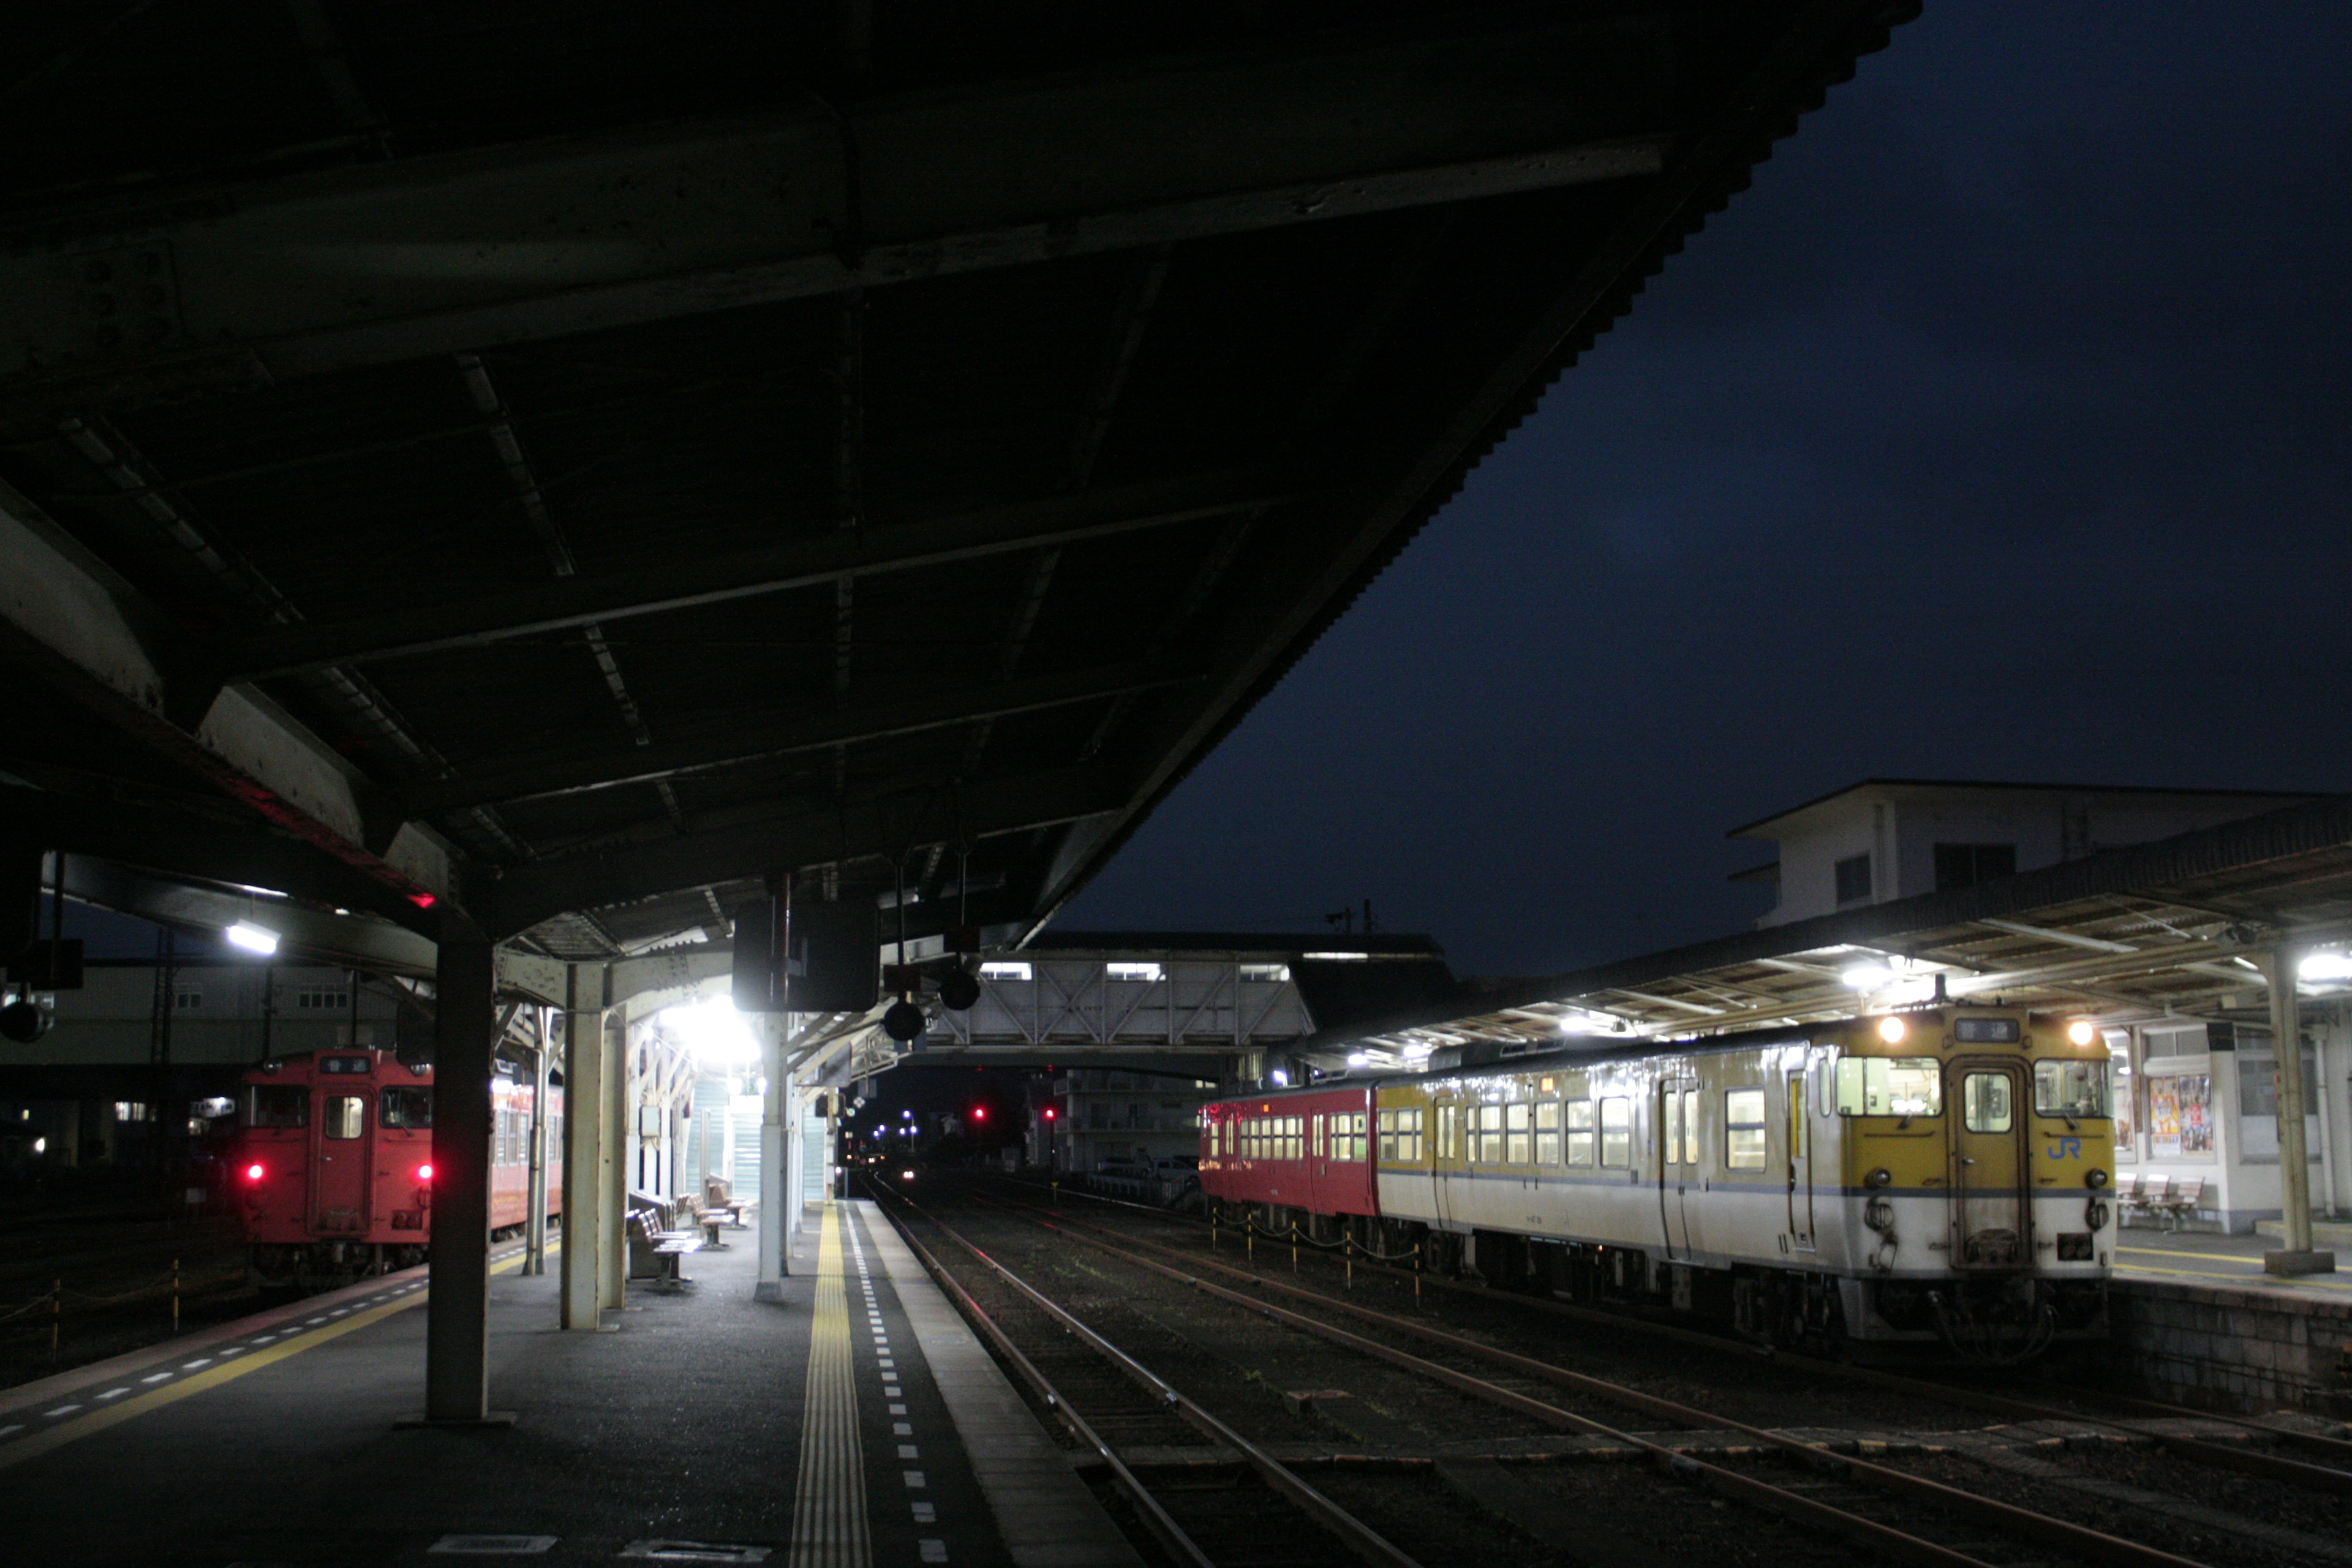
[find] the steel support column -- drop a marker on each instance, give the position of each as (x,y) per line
(534,1224)
(613,1163)
(2296,1255)
(775,1220)
(456,1315)
(583,1186)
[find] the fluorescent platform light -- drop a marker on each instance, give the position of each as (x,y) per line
(1868,976)
(252,938)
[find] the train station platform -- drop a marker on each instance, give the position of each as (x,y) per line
(857,1423)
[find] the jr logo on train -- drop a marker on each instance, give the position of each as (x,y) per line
(1929,1183)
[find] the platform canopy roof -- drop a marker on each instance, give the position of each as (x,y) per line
(570,462)
(2176,928)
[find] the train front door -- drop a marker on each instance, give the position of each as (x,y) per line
(339,1194)
(1990,1207)
(1801,1165)
(1677,1160)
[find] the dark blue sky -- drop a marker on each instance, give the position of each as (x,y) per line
(2001,431)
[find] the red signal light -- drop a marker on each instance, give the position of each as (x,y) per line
(424,1172)
(1049,1113)
(980,1113)
(254,1172)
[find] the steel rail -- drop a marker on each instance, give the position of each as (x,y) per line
(1366,1541)
(1156,1517)
(2272,1466)
(2040,1527)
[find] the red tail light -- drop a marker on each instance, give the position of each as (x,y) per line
(424,1172)
(254,1172)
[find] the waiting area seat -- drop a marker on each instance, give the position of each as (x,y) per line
(2170,1202)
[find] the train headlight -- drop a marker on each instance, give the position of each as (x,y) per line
(2081,1032)
(1891,1030)
(1879,1178)
(2095,1177)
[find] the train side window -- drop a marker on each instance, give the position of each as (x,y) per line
(1890,1085)
(1294,1137)
(1617,1132)
(1515,1148)
(346,1116)
(1408,1133)
(1489,1149)
(278,1105)
(1743,1129)
(1578,1114)
(1449,1139)
(1986,1102)
(410,1108)
(1671,1105)
(1548,1132)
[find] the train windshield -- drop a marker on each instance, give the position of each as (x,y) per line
(410,1108)
(1890,1085)
(2070,1089)
(277,1105)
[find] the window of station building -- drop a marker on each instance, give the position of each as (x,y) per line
(1548,1132)
(1743,1129)
(139,1110)
(321,999)
(1890,1085)
(186,994)
(1966,864)
(277,1105)
(1148,973)
(1264,973)
(1578,1116)
(1401,1134)
(1853,878)
(2070,1089)
(406,1108)
(345,1116)
(1617,1132)
(1986,1102)
(1005,969)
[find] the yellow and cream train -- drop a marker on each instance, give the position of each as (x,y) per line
(1933,1178)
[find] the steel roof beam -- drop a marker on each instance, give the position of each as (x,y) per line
(831,556)
(749,740)
(852,830)
(386,262)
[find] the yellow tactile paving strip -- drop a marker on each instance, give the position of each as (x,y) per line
(829,1503)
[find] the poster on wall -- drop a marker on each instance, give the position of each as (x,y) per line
(2180,1115)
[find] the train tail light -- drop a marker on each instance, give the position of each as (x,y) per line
(425,1173)
(254,1173)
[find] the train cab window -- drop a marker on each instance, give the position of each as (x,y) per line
(1516,1149)
(1890,1085)
(276,1105)
(408,1108)
(1578,1115)
(1617,1132)
(1548,1132)
(1743,1129)
(1985,1102)
(345,1116)
(2070,1089)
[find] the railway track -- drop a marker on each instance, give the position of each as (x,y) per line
(1860,1499)
(2327,1468)
(1108,1400)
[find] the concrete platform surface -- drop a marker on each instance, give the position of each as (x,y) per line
(814,1431)
(2203,1257)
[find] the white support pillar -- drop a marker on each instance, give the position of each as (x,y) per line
(775,1235)
(583,1183)
(534,1224)
(2296,1255)
(612,1165)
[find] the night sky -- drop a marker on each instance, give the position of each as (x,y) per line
(1998,432)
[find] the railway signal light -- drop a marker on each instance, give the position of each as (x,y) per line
(980,1113)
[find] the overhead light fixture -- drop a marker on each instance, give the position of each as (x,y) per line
(2325,966)
(1357,1059)
(252,938)
(1868,976)
(1281,1079)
